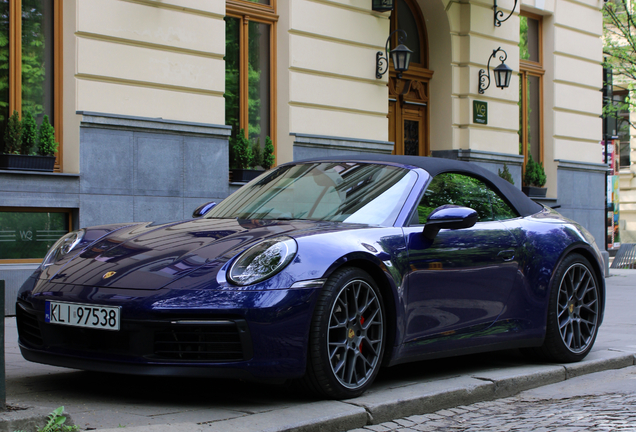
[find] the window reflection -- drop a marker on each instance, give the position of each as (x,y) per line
(466,191)
(339,192)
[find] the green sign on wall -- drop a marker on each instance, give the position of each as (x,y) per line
(480,112)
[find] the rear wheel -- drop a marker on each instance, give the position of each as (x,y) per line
(347,336)
(574,310)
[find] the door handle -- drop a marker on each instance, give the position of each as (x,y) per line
(507,255)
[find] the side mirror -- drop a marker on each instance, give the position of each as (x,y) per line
(203,209)
(449,217)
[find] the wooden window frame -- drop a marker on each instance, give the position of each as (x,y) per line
(248,11)
(532,68)
(421,25)
(15,69)
(35,210)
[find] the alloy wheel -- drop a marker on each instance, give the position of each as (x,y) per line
(354,334)
(577,308)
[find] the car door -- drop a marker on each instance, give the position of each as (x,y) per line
(458,283)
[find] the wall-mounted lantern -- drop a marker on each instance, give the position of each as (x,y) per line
(499,14)
(401,56)
(502,73)
(382,5)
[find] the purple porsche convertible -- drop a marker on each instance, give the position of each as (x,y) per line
(321,271)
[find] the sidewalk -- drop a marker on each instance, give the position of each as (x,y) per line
(104,402)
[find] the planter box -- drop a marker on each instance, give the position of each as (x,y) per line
(244,175)
(534,192)
(27,162)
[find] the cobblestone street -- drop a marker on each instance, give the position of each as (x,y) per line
(609,412)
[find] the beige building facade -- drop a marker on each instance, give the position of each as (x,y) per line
(148,95)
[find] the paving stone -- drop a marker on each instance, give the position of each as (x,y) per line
(458,410)
(597,413)
(418,418)
(378,428)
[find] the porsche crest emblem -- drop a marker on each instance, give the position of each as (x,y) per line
(108,274)
(351,333)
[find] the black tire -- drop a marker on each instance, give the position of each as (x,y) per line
(347,336)
(573,311)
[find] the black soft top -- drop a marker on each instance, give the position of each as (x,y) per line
(434,166)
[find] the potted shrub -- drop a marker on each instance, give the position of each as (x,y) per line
(534,179)
(257,156)
(241,159)
(268,154)
(21,137)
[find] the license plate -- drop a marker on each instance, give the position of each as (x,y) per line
(82,315)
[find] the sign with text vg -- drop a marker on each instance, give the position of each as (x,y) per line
(480,112)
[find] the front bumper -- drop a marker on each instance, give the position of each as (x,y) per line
(243,334)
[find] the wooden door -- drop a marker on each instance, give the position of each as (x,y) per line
(408,113)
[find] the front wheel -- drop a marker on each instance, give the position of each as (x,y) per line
(574,311)
(347,336)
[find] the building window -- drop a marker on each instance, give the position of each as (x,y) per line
(30,61)
(26,234)
(530,88)
(250,38)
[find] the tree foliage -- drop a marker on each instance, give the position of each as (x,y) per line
(619,39)
(33,54)
(34,67)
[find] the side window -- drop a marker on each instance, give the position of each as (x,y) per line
(466,191)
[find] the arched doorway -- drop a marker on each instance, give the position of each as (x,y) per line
(409,96)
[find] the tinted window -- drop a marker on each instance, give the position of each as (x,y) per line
(466,191)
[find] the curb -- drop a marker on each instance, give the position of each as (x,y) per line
(418,398)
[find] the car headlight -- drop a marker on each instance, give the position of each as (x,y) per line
(62,247)
(263,260)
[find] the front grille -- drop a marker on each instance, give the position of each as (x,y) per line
(211,341)
(28,326)
(224,340)
(86,339)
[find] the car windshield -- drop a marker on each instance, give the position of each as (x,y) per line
(330,191)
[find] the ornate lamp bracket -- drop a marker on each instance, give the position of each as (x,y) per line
(499,14)
(502,72)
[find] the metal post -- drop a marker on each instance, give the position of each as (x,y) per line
(3,383)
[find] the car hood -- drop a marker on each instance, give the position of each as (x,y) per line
(150,257)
